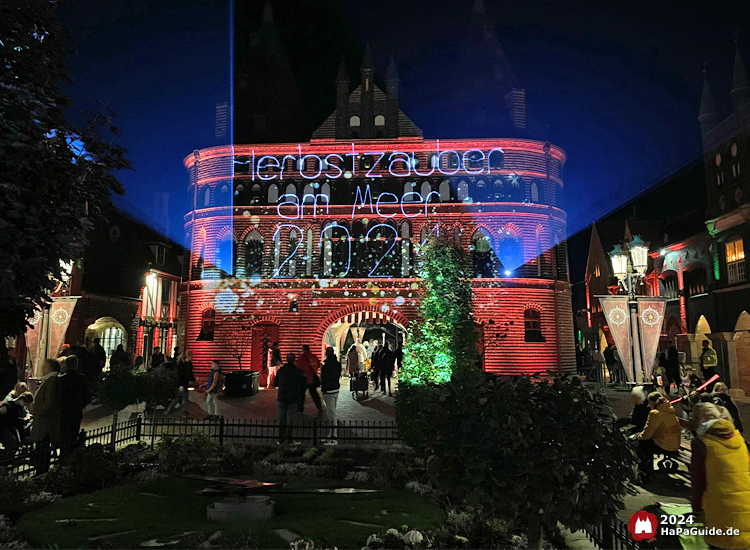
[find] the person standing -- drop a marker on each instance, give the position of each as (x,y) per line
(309,365)
(375,366)
(291,383)
(274,362)
(330,380)
(353,363)
(119,358)
(157,358)
(386,360)
(672,368)
(399,353)
(74,396)
(185,377)
(45,431)
(101,354)
(611,361)
(709,362)
(720,478)
(213,385)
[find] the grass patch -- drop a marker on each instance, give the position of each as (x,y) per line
(169,507)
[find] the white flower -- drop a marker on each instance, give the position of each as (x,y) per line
(373,539)
(413,537)
(393,532)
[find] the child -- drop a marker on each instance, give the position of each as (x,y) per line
(213,385)
(14,414)
(18,391)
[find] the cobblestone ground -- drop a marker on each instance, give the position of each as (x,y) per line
(375,408)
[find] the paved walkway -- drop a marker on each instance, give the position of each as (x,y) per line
(375,408)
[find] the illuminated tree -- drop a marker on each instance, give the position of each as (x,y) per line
(55,179)
(443,343)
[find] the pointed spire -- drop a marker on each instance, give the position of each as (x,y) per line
(343,74)
(367,59)
(267,12)
(628,233)
(740,91)
(392,74)
(708,117)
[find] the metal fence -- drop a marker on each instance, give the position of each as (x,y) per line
(612,534)
(223,430)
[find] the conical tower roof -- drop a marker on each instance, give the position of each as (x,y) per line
(740,91)
(708,114)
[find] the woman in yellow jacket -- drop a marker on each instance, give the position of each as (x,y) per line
(661,433)
(720,478)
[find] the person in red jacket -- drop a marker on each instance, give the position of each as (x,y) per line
(309,365)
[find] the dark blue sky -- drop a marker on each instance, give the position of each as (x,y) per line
(618,83)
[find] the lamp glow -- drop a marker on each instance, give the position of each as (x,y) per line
(619,260)
(639,254)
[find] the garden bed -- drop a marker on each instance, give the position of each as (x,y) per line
(164,509)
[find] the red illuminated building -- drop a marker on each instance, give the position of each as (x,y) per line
(301,242)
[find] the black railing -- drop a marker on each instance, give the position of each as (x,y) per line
(223,430)
(612,534)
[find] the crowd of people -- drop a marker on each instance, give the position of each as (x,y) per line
(377,360)
(719,465)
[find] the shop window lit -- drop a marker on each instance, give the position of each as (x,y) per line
(735,256)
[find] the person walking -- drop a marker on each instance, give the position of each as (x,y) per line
(45,431)
(721,398)
(353,363)
(274,362)
(661,433)
(709,362)
(309,365)
(213,385)
(386,360)
(330,383)
(74,396)
(399,353)
(375,366)
(291,383)
(720,478)
(185,377)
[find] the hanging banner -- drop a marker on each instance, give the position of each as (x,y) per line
(32,339)
(60,313)
(617,314)
(650,320)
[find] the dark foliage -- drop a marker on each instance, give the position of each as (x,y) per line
(189,454)
(55,178)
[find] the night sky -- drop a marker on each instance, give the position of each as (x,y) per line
(618,83)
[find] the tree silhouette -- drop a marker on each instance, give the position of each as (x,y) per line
(236,337)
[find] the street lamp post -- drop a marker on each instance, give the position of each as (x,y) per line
(629,266)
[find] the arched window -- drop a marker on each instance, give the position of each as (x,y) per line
(256,194)
(462,192)
(208,325)
(669,286)
(515,188)
(445,191)
(291,189)
(536,191)
(379,120)
(239,190)
(410,187)
(695,280)
(273,193)
(532,326)
(309,253)
(226,254)
(359,250)
(425,191)
(483,192)
(499,191)
(308,195)
(497,159)
(325,189)
(199,264)
(276,251)
(433,161)
(354,121)
(510,253)
(290,267)
(325,252)
(405,249)
(206,197)
(224,195)
(254,255)
(486,264)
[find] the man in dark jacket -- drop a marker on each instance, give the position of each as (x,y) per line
(672,369)
(291,383)
(100,352)
(375,365)
(74,396)
(330,376)
(386,360)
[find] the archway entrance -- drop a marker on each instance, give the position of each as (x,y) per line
(365,327)
(110,332)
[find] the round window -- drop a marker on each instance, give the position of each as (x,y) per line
(734,150)
(718,159)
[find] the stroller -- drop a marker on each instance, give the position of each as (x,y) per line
(359,383)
